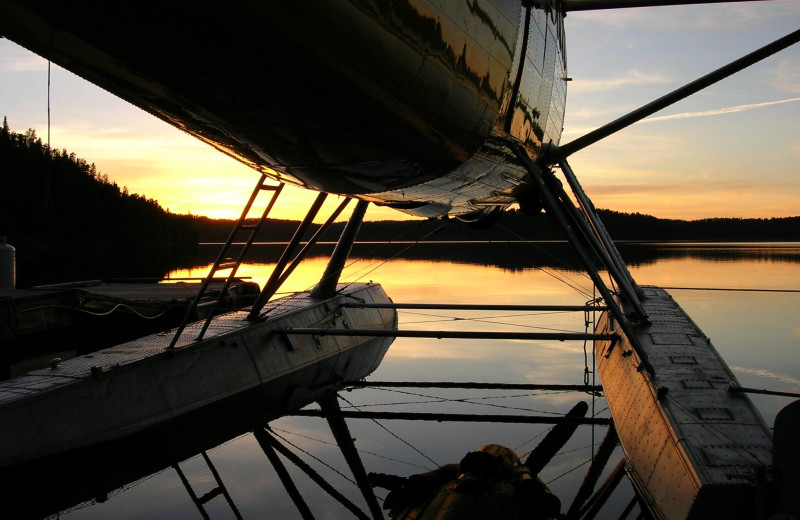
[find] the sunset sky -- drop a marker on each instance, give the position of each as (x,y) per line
(731,151)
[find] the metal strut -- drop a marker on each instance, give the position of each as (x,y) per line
(620,273)
(283,475)
(326,287)
(450,334)
(241,225)
(334,416)
(558,209)
(282,271)
(270,444)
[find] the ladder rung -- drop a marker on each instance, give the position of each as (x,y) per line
(249,226)
(210,495)
(229,265)
(270,187)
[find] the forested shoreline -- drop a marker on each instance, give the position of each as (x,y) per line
(54,203)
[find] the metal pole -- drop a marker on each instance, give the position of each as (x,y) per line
(600,229)
(313,240)
(283,474)
(598,464)
(455,417)
(272,284)
(475,386)
(552,206)
(555,439)
(599,499)
(264,436)
(334,416)
(676,95)
(326,287)
(596,245)
(475,307)
(451,334)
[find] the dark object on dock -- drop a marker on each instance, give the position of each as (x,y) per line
(488,483)
(72,319)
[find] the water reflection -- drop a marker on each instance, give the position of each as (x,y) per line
(756,333)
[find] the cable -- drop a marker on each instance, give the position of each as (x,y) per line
(113,309)
(393,434)
(322,441)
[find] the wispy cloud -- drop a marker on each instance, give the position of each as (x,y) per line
(718,111)
(787,76)
(24,64)
(632,78)
(783,378)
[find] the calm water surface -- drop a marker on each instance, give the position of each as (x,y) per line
(756,332)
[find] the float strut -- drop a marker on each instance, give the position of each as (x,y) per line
(599,462)
(284,475)
(326,288)
(273,283)
(333,414)
(599,499)
(266,439)
(555,440)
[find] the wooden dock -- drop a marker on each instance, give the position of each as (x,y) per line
(65,320)
(135,386)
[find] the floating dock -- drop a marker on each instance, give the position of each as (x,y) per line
(65,320)
(694,449)
(141,384)
(38,309)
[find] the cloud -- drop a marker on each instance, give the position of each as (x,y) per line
(787,76)
(633,78)
(724,17)
(718,111)
(25,64)
(783,378)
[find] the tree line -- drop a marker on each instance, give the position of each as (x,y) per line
(59,208)
(51,198)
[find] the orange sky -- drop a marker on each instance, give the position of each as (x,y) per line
(731,151)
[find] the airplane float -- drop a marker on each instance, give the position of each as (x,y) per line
(435,109)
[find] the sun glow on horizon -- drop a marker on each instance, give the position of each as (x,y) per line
(696,161)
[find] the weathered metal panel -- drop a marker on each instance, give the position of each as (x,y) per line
(688,441)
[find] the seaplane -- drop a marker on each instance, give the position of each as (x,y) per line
(436,109)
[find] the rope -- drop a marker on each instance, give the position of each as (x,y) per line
(113,309)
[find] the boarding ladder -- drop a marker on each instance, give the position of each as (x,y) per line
(201,501)
(223,262)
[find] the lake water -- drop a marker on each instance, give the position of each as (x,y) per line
(757,332)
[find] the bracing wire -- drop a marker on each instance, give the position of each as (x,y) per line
(465,400)
(563,279)
(394,435)
(375,265)
(298,448)
(322,441)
